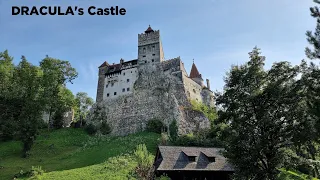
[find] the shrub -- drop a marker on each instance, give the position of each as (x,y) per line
(91,129)
(105,128)
(155,125)
(145,162)
(173,130)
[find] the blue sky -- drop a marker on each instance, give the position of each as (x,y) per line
(216,33)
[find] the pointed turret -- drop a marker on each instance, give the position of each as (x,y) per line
(194,72)
(149,30)
(195,75)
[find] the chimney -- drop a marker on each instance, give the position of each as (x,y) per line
(121,61)
(208,84)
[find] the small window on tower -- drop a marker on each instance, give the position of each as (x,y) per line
(145,61)
(112,84)
(144,56)
(115,93)
(128,89)
(144,50)
(152,48)
(153,54)
(152,60)
(108,95)
(128,80)
(124,73)
(123,90)
(107,86)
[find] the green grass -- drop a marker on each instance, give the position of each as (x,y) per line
(66,149)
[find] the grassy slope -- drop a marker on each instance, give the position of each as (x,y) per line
(72,148)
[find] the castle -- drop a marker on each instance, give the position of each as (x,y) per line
(135,91)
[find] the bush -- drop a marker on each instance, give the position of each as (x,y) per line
(155,125)
(173,130)
(105,128)
(91,129)
(145,162)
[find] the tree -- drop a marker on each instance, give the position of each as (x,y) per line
(314,38)
(256,105)
(7,125)
(83,103)
(27,97)
(56,74)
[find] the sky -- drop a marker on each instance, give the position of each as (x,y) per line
(215,33)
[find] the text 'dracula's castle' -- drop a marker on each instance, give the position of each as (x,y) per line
(133,92)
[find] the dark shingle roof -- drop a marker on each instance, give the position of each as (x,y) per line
(176,158)
(194,72)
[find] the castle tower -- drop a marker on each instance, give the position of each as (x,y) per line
(100,88)
(195,75)
(150,47)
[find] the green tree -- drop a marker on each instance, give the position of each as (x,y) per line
(56,74)
(7,124)
(83,103)
(257,105)
(314,37)
(28,92)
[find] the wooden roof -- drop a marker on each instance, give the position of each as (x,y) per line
(176,158)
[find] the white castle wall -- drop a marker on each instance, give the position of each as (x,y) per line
(120,83)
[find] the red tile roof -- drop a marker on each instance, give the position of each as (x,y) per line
(149,30)
(104,64)
(194,72)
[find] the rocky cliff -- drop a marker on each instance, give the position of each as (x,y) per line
(158,93)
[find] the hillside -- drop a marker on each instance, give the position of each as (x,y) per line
(66,149)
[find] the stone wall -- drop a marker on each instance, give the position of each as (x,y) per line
(157,93)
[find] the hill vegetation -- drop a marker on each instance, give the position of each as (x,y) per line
(69,148)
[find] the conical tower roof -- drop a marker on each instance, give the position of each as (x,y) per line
(194,72)
(149,30)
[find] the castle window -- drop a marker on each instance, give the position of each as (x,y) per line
(153,54)
(107,86)
(194,90)
(131,71)
(112,84)
(144,56)
(152,60)
(144,50)
(108,95)
(123,90)
(152,48)
(128,89)
(115,93)
(128,80)
(145,61)
(124,73)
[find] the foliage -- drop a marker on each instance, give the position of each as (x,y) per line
(70,148)
(91,129)
(200,139)
(105,128)
(256,105)
(145,162)
(24,97)
(313,38)
(83,103)
(56,73)
(209,112)
(173,130)
(292,175)
(163,177)
(155,125)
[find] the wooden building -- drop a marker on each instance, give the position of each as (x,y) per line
(192,163)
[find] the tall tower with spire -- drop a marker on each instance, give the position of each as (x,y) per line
(150,47)
(195,75)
